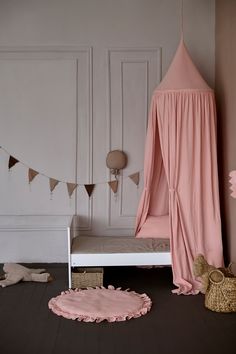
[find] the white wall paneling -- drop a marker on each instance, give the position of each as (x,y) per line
(34,238)
(76,79)
(45,109)
(45,103)
(133,75)
(84,148)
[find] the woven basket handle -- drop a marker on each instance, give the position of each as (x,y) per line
(230,267)
(216,271)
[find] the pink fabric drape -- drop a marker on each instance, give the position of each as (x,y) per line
(155,183)
(181,178)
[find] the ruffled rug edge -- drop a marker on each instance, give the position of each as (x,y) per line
(146,306)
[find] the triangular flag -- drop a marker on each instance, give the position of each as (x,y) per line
(31,174)
(113,185)
(53,183)
(135,178)
(232,174)
(232,177)
(71,187)
(89,188)
(12,162)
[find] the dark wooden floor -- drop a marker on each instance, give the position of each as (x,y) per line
(175,324)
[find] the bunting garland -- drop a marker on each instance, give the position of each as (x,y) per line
(135,178)
(71,187)
(32,174)
(12,162)
(53,183)
(232,181)
(89,188)
(114,186)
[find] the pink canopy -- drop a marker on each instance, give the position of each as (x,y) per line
(180,169)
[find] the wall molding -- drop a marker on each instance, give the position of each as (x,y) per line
(83,58)
(27,228)
(151,57)
(34,222)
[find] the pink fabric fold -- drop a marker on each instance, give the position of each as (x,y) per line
(155,227)
(180,171)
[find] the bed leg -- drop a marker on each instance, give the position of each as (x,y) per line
(69,242)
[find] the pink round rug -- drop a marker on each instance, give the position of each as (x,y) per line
(99,304)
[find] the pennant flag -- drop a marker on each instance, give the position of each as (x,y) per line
(135,178)
(233,177)
(53,183)
(89,188)
(232,182)
(12,162)
(32,174)
(71,187)
(113,185)
(232,174)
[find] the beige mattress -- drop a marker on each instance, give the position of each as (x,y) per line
(101,244)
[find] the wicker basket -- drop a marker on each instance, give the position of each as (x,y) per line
(86,277)
(221,292)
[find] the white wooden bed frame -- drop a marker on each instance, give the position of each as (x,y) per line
(91,259)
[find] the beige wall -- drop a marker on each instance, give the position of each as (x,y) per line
(226,104)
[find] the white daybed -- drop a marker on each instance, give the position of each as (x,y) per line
(96,251)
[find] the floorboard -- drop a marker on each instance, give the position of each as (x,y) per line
(175,324)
